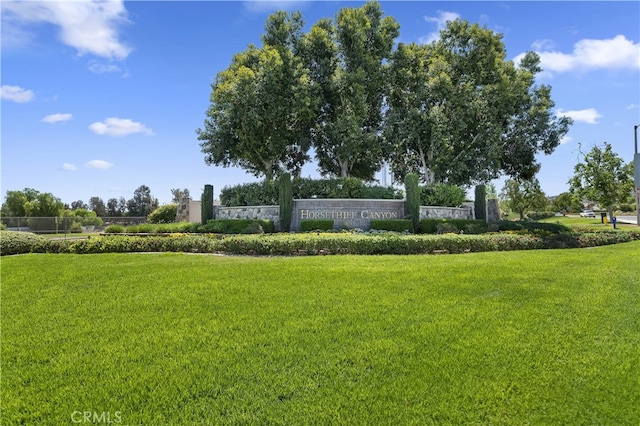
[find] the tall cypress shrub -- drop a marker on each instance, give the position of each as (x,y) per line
(412,205)
(206,203)
(285,197)
(480,202)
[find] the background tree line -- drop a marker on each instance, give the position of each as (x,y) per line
(32,203)
(453,111)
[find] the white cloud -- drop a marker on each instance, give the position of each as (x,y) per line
(114,126)
(68,167)
(565,139)
(87,26)
(544,44)
(99,68)
(55,118)
(590,54)
(98,164)
(589,116)
(632,106)
(16,94)
(441,22)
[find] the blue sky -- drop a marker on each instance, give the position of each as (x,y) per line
(100,98)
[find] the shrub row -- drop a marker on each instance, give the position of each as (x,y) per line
(446,226)
(266,192)
(324,244)
(12,242)
(237,226)
(308,225)
(221,226)
(397,225)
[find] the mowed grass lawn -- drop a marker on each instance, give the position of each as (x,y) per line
(531,337)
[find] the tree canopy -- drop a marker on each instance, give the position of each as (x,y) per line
(603,178)
(453,111)
(522,195)
(260,112)
(32,203)
(460,113)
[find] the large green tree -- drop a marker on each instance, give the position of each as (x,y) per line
(142,202)
(32,203)
(522,195)
(260,112)
(116,207)
(603,178)
(15,202)
(346,58)
(459,112)
(97,205)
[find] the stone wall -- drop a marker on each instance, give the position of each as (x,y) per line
(189,211)
(437,212)
(249,212)
(345,213)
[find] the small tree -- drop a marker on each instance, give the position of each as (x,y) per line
(603,178)
(412,205)
(178,194)
(206,204)
(286,201)
(566,202)
(163,214)
(97,205)
(523,195)
(142,202)
(480,202)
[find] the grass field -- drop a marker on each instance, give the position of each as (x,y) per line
(535,337)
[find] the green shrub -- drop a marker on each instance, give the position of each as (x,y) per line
(441,194)
(253,228)
(3,227)
(397,225)
(206,204)
(446,228)
(236,226)
(92,221)
(310,244)
(267,192)
(163,214)
(286,201)
(75,227)
(430,226)
(250,194)
(114,229)
(533,215)
(308,225)
(508,225)
(145,228)
(480,202)
(412,204)
(13,242)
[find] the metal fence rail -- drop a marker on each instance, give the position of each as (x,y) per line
(66,225)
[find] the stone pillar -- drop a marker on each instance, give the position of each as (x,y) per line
(493,211)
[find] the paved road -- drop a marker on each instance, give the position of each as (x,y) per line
(628,219)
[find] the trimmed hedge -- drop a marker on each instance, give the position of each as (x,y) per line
(524,225)
(164,214)
(469,226)
(397,225)
(323,244)
(238,226)
(266,193)
(13,242)
(308,225)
